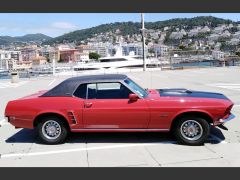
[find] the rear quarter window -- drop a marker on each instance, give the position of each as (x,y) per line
(81,91)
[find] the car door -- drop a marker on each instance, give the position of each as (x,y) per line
(107,106)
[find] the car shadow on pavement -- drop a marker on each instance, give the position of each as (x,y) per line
(23,136)
(30,136)
(216,135)
(128,137)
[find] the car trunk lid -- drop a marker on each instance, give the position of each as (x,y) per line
(35,95)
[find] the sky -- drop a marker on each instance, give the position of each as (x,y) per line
(56,24)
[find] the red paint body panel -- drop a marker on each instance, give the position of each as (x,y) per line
(153,113)
(164,109)
(118,113)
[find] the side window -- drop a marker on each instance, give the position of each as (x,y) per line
(112,91)
(102,91)
(81,91)
(91,91)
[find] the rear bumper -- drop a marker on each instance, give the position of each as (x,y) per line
(20,122)
(224,120)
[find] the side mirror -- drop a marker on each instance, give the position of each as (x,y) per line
(133,97)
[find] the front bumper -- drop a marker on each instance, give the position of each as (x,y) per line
(230,117)
(224,120)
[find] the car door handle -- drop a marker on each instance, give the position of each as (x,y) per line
(87,104)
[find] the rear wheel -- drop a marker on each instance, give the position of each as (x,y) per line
(191,130)
(52,130)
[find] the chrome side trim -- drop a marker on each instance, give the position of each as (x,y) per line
(228,119)
(17,118)
(119,130)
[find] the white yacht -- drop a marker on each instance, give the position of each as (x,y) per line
(116,62)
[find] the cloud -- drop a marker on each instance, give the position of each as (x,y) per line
(64,25)
(54,29)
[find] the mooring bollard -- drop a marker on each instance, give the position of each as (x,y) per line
(14,77)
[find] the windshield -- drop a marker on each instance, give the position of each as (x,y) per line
(136,87)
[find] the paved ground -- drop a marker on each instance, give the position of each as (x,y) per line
(21,147)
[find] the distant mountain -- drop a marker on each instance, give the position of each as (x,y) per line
(33,37)
(6,40)
(129,28)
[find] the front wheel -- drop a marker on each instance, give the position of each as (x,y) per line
(52,130)
(192,131)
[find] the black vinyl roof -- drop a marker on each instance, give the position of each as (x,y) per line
(68,86)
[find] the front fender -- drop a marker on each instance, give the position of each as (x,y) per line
(191,111)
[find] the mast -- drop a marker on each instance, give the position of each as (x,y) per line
(143,42)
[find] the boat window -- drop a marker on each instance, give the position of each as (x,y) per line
(113,60)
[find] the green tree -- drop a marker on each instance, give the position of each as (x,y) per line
(94,55)
(181,46)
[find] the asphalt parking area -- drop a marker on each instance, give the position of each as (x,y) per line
(21,147)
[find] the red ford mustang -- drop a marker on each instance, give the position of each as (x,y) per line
(115,103)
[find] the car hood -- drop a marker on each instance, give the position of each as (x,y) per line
(190,93)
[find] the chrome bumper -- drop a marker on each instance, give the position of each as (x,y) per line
(228,119)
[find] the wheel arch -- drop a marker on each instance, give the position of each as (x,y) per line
(201,114)
(39,117)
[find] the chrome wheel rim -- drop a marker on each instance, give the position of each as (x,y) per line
(51,129)
(191,130)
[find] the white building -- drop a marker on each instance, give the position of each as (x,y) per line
(219,29)
(237,35)
(205,29)
(213,37)
(226,34)
(218,55)
(8,55)
(4,56)
(82,57)
(18,65)
(135,49)
(176,35)
(234,41)
(160,50)
(16,55)
(100,48)
(193,32)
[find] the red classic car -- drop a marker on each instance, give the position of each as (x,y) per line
(115,103)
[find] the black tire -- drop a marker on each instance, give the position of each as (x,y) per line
(184,137)
(60,124)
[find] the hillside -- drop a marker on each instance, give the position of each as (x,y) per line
(130,28)
(6,40)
